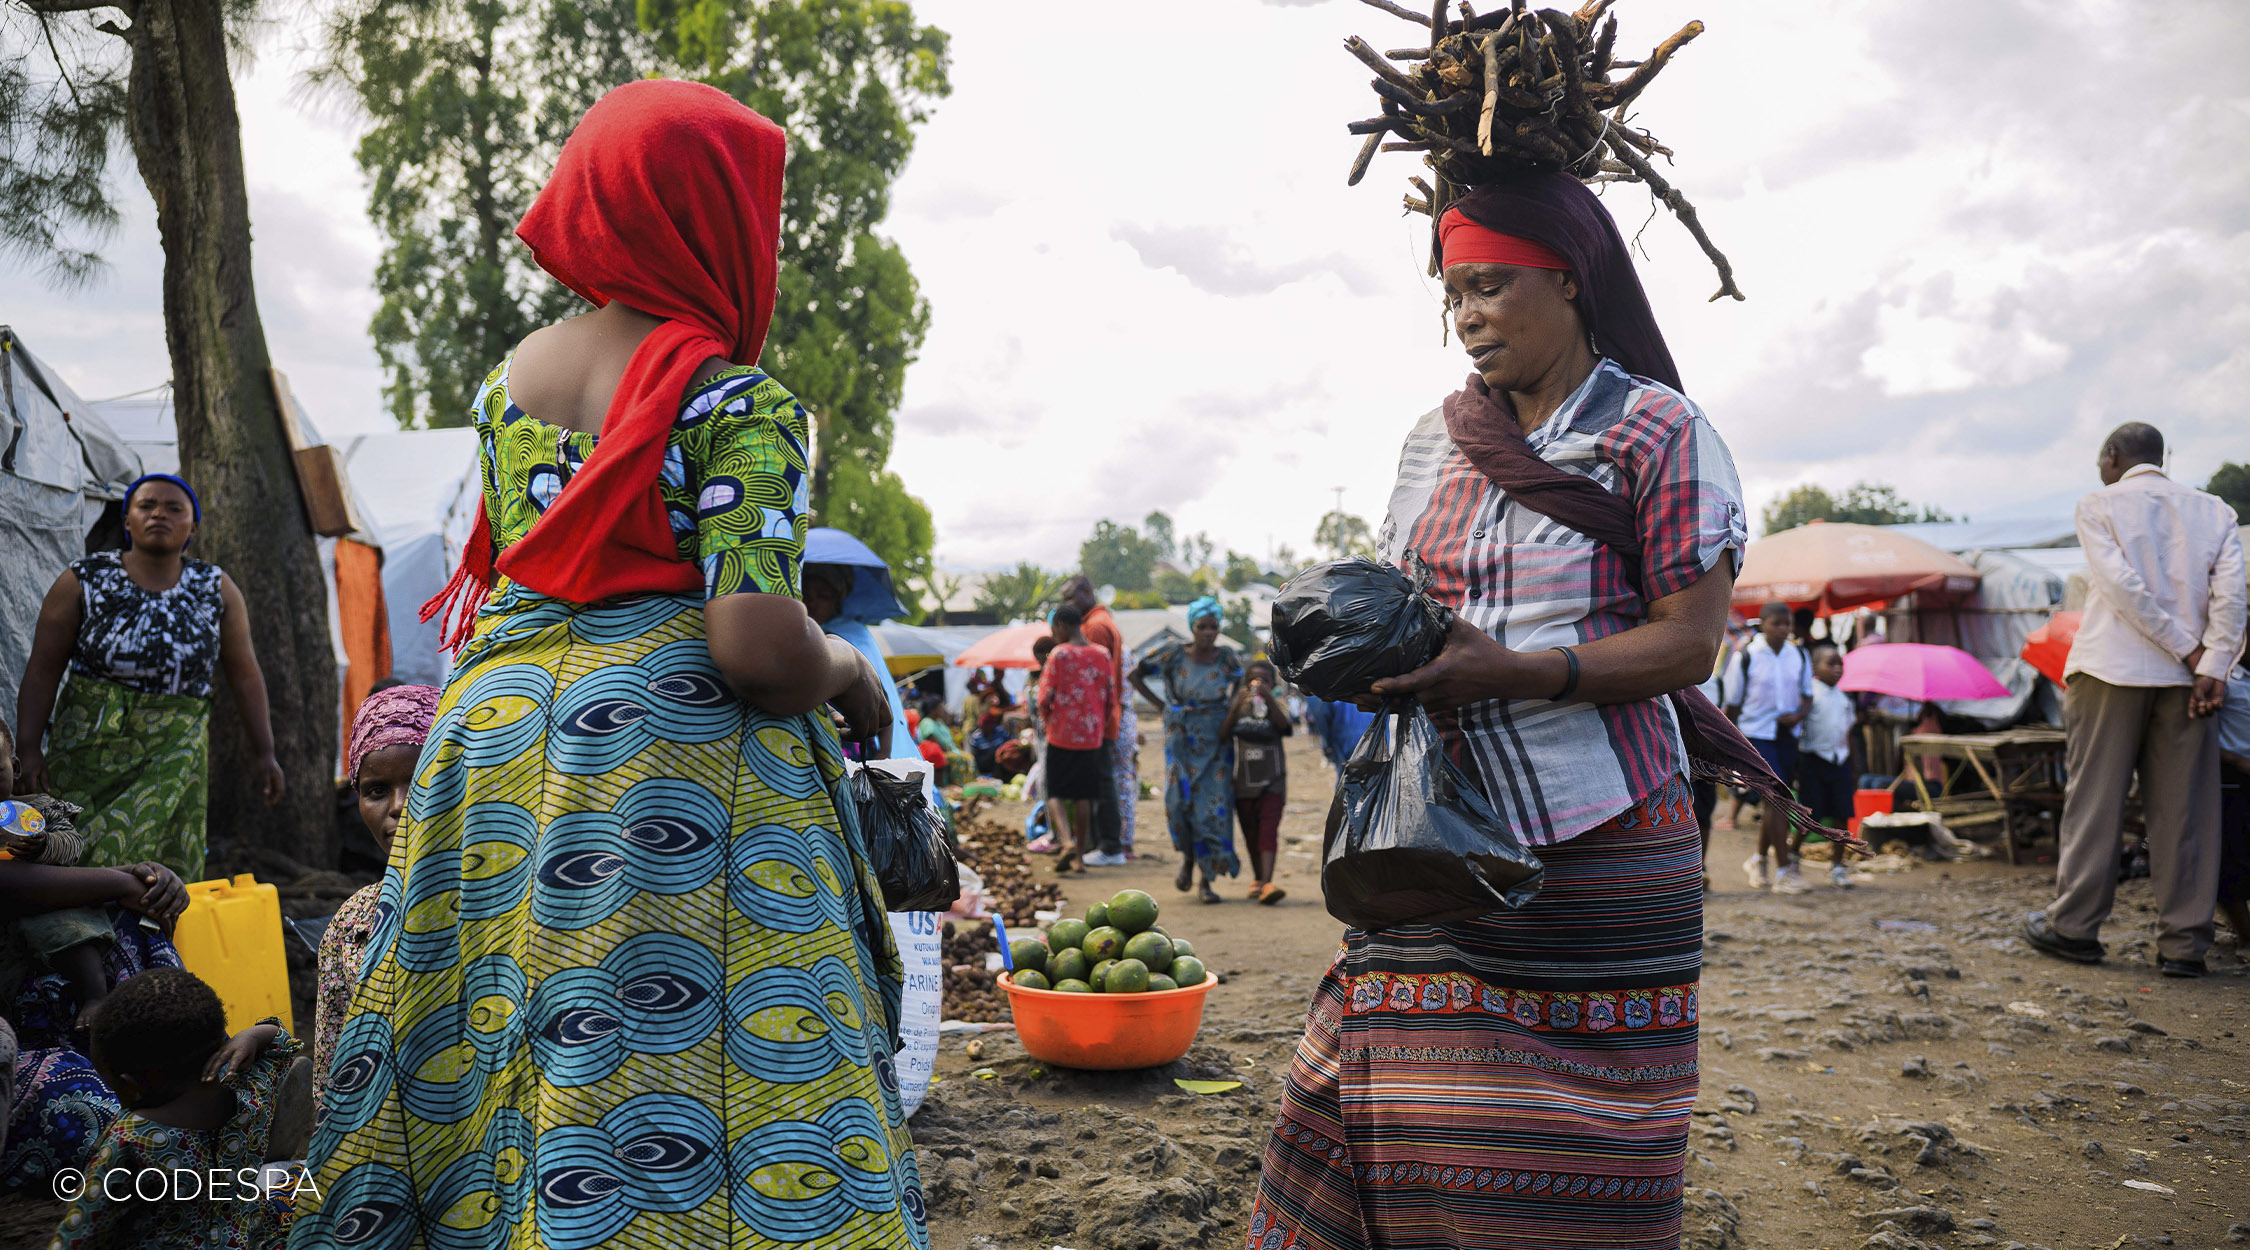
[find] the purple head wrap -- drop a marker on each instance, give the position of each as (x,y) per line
(398,717)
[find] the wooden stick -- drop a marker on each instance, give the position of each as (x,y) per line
(1491,92)
(1395,11)
(1373,60)
(1408,54)
(1437,23)
(1638,81)
(1605,47)
(1366,154)
(1683,210)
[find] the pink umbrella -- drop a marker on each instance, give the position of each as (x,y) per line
(1007,648)
(1919,671)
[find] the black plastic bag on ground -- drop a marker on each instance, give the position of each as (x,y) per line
(1340,627)
(1412,841)
(906,842)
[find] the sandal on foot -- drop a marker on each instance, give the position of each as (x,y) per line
(1272,894)
(1184,880)
(1209,895)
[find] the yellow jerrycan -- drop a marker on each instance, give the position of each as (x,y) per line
(230,936)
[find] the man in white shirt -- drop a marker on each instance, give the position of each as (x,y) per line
(1769,690)
(2163,625)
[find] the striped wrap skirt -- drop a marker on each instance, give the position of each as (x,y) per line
(1521,1080)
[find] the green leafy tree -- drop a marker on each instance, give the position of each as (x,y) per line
(935,589)
(1176,586)
(1025,592)
(470,100)
(1196,552)
(75,79)
(879,512)
(1864,503)
(1284,565)
(1158,527)
(1129,600)
(1241,571)
(2232,483)
(1117,555)
(1341,534)
(1235,622)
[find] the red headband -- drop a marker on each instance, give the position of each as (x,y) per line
(1464,242)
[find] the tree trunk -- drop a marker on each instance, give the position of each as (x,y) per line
(187,139)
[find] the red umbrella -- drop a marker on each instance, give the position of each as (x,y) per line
(1007,648)
(2048,648)
(1831,566)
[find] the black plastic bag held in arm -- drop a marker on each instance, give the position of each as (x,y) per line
(906,843)
(1340,627)
(1412,841)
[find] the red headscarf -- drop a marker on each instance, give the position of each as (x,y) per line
(666,197)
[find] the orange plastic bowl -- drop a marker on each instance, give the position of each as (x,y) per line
(1107,1031)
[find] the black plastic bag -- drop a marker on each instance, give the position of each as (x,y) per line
(1412,841)
(906,842)
(1340,627)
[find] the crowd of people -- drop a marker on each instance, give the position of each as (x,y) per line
(628,964)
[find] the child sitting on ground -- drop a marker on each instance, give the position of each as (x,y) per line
(386,742)
(1824,751)
(200,1107)
(59,923)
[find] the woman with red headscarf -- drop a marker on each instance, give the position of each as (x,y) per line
(628,978)
(1523,1079)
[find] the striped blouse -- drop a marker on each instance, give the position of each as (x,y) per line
(1555,770)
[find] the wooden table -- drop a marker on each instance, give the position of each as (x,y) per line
(2020,771)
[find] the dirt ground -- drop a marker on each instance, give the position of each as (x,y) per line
(1929,1084)
(1889,1088)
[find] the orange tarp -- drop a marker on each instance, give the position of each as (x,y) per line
(364,622)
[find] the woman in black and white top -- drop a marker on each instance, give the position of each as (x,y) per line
(144,634)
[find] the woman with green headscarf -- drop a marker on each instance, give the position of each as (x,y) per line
(1200,677)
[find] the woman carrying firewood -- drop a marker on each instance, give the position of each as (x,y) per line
(1524,1079)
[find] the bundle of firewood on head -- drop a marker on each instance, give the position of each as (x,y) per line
(1519,88)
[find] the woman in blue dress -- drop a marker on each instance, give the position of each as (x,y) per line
(1200,678)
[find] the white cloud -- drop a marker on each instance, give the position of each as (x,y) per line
(1974,238)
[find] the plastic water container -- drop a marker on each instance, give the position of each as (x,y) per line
(230,936)
(1867,803)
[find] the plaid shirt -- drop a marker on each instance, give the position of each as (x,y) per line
(1555,770)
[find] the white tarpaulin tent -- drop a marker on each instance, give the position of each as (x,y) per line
(418,490)
(60,466)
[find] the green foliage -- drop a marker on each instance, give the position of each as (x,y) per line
(2232,483)
(62,110)
(1129,600)
(1341,534)
(878,511)
(937,587)
(1158,527)
(1864,503)
(470,100)
(1284,565)
(1241,571)
(1117,555)
(1235,623)
(1178,587)
(1024,593)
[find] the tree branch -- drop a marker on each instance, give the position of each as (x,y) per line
(48,7)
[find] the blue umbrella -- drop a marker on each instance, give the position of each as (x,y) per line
(872,598)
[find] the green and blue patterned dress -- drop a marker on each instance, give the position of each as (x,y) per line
(629,984)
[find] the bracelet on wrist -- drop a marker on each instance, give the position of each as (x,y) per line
(1570,682)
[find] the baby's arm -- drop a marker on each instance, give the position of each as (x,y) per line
(243,1049)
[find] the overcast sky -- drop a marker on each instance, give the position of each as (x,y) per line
(1974,238)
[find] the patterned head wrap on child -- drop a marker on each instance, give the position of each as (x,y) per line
(1207,606)
(398,717)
